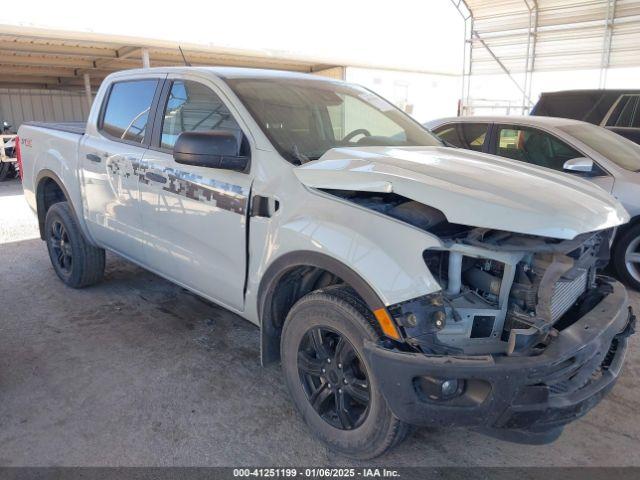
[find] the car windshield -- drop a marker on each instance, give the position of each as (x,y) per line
(305,118)
(619,150)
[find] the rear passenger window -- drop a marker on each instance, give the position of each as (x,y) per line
(192,106)
(470,136)
(626,113)
(127,111)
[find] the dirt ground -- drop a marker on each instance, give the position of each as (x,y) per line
(136,371)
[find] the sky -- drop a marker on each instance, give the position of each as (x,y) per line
(422,35)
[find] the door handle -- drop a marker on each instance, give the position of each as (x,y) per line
(93,157)
(264,206)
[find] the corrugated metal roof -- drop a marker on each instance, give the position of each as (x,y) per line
(46,59)
(570,34)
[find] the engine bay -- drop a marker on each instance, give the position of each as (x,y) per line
(502,292)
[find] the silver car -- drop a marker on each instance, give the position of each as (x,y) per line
(577,148)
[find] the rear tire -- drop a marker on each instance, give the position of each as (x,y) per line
(355,419)
(76,262)
(627,248)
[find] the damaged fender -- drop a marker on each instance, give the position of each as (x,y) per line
(471,188)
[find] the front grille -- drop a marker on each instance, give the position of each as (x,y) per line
(566,293)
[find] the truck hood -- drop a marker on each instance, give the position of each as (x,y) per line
(471,188)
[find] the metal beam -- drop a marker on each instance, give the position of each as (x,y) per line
(36,71)
(146,63)
(87,89)
(467,56)
(606,46)
(502,66)
(8,57)
(532,40)
(110,64)
(121,53)
(69,51)
(22,79)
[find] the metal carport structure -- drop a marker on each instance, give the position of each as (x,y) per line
(48,74)
(520,37)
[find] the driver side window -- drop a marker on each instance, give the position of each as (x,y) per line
(533,146)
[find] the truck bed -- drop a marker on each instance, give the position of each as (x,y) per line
(69,127)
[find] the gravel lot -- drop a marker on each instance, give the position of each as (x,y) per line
(136,371)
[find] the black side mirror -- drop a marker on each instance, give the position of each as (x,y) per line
(215,149)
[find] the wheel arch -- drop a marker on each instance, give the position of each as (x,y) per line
(631,223)
(289,278)
(49,190)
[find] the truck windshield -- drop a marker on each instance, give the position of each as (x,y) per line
(305,118)
(610,145)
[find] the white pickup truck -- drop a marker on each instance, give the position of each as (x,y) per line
(397,281)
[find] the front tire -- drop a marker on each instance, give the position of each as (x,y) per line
(626,257)
(76,262)
(327,376)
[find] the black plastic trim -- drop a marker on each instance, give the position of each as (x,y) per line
(50,175)
(282,265)
(519,397)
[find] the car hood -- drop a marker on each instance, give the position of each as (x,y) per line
(471,188)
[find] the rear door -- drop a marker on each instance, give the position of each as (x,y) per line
(196,217)
(468,135)
(110,156)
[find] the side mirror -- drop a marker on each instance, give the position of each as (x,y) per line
(216,149)
(580,164)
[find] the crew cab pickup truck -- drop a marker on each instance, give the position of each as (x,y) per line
(398,281)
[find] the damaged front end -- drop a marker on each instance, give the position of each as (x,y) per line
(506,293)
(524,336)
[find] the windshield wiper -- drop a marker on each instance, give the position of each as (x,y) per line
(301,158)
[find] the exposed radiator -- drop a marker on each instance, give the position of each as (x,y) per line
(565,294)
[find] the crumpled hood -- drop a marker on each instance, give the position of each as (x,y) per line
(471,188)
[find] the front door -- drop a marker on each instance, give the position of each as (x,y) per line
(195,217)
(537,147)
(109,156)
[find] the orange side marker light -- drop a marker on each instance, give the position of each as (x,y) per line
(386,323)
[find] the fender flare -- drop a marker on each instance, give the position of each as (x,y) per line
(620,230)
(269,332)
(49,174)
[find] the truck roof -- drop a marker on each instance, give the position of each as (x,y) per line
(601,91)
(511,119)
(225,72)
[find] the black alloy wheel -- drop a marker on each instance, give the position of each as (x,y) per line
(61,247)
(334,378)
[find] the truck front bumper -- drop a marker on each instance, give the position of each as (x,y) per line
(527,399)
